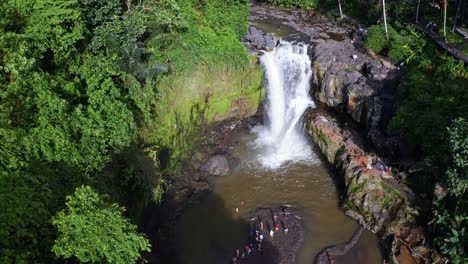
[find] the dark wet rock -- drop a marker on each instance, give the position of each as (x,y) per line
(309,24)
(197,159)
(329,255)
(217,166)
(374,196)
(324,35)
(404,256)
(352,82)
(259,39)
(283,246)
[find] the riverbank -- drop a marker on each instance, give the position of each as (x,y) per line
(374,195)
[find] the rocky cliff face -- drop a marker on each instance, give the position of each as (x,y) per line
(373,195)
(351,82)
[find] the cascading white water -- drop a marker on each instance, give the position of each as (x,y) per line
(287,74)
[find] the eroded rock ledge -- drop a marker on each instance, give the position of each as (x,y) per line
(352,82)
(374,198)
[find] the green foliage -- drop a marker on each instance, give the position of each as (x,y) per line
(24,216)
(452,236)
(405,44)
(28,200)
(77,83)
(376,39)
(457,175)
(432,96)
(97,12)
(224,15)
(66,108)
(92,230)
(166,15)
(214,34)
(295,3)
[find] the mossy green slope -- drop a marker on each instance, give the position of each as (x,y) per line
(212,77)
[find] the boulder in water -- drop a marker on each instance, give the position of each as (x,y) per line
(260,40)
(217,165)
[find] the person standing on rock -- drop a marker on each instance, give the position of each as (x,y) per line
(285,229)
(272,233)
(369,162)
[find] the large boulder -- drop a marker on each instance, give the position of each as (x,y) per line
(217,165)
(260,40)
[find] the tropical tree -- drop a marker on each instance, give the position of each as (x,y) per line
(445,20)
(457,14)
(339,6)
(385,18)
(92,230)
(417,12)
(450,215)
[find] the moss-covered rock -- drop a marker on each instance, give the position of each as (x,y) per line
(188,103)
(373,197)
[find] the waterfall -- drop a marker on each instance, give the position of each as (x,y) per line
(287,77)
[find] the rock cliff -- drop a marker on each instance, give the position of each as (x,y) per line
(351,82)
(373,195)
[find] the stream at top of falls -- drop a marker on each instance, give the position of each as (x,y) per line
(279,165)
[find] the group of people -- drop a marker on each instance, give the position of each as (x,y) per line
(256,237)
(369,162)
(361,33)
(435,5)
(431,26)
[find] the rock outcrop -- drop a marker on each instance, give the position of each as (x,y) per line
(260,40)
(217,165)
(373,196)
(328,255)
(351,82)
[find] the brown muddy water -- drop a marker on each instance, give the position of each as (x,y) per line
(212,230)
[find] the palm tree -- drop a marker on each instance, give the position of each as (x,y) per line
(417,12)
(339,6)
(385,18)
(445,20)
(456,15)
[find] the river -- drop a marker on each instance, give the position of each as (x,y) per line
(277,165)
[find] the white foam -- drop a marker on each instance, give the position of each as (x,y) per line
(288,74)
